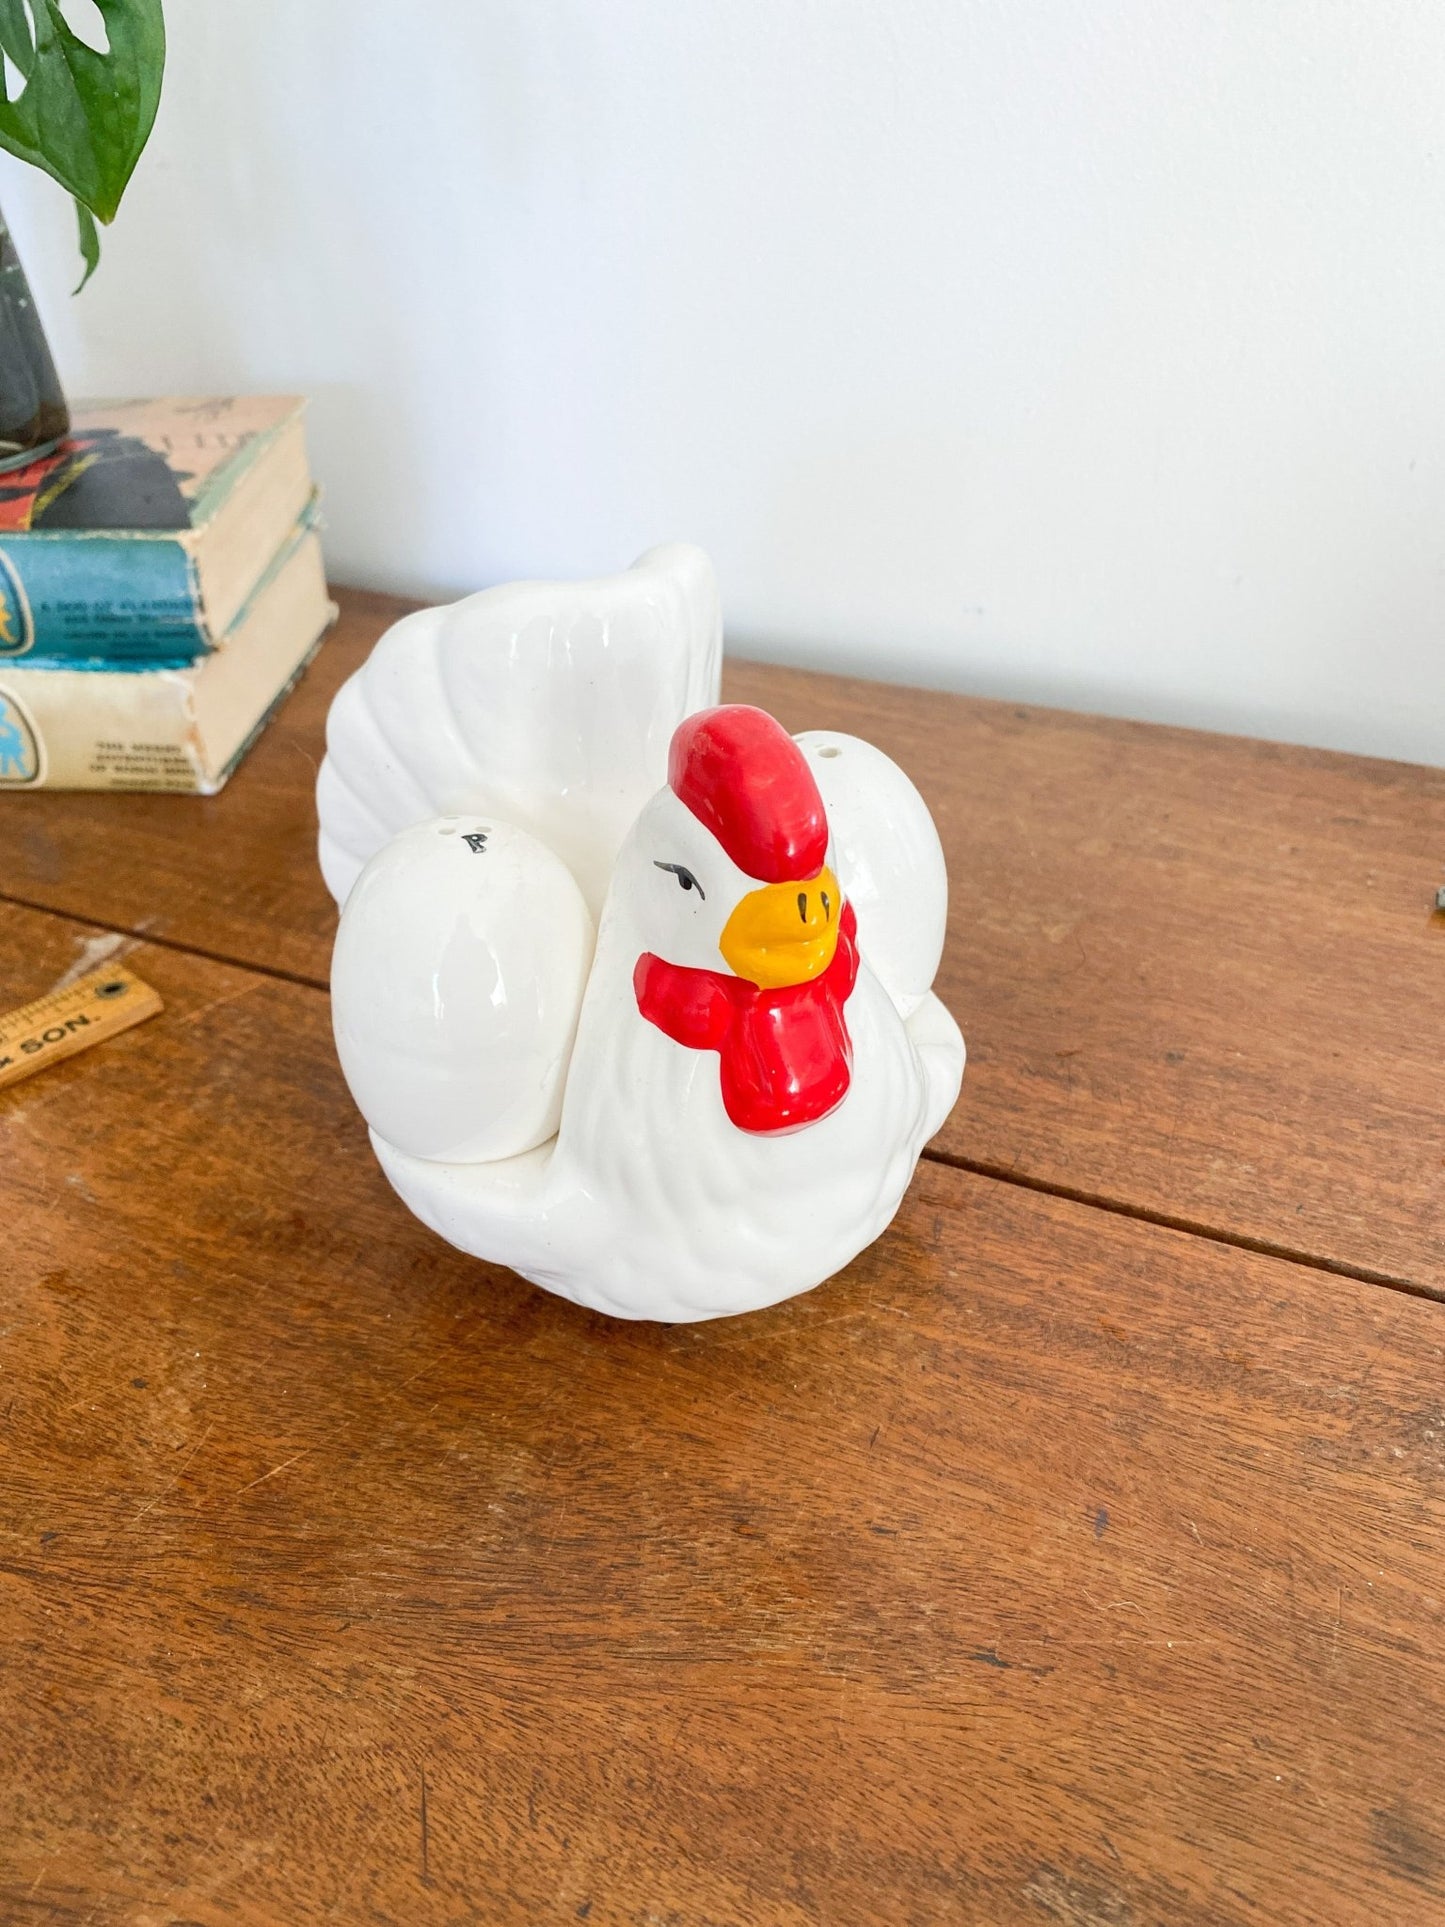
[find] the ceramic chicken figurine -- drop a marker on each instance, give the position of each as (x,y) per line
(712,1096)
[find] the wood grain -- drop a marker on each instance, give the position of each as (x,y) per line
(1199,976)
(1045,1567)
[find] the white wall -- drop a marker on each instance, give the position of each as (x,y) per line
(1085,351)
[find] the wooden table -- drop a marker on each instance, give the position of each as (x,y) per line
(1075,1557)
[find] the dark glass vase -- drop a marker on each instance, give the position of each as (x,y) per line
(33,414)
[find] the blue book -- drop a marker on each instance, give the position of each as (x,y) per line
(134,728)
(138,542)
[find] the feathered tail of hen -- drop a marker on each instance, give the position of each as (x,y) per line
(549,704)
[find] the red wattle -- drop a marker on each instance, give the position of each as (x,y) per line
(785,1057)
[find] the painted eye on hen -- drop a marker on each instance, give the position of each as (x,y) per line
(684,876)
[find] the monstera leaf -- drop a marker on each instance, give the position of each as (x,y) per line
(80,113)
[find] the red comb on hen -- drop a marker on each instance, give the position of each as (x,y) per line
(740,772)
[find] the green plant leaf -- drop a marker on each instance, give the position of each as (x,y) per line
(82,115)
(15,34)
(89,244)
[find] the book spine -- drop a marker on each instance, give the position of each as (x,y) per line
(124,601)
(99,730)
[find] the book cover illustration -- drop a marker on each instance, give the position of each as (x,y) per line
(139,465)
(103,543)
(22,755)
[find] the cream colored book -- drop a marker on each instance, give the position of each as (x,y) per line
(181,728)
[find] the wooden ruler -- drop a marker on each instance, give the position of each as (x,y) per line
(67,1021)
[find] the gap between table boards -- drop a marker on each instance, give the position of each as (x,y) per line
(979,1167)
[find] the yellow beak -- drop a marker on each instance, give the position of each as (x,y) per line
(784,933)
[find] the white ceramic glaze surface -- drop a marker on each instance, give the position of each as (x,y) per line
(521,1102)
(547,704)
(456,981)
(890,856)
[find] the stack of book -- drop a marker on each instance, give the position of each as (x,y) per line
(161,588)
